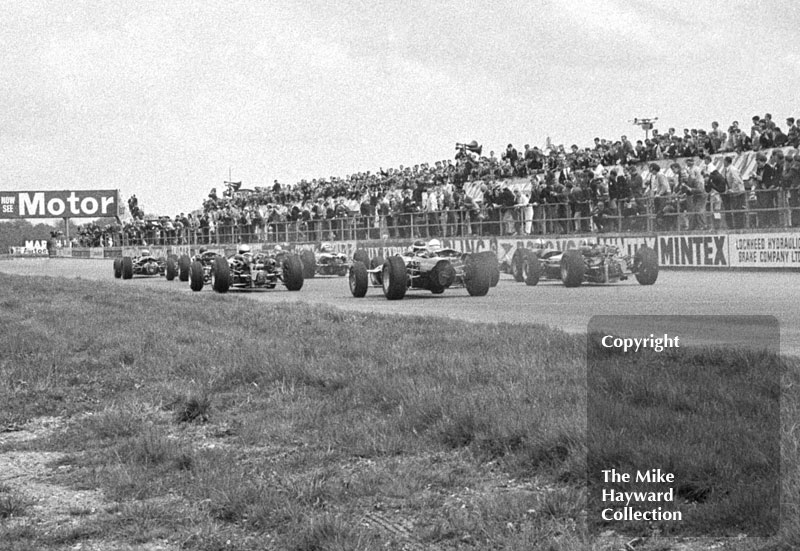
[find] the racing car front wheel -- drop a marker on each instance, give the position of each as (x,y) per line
(196,276)
(171,269)
(309,264)
(127,267)
(293,272)
(531,269)
(478,272)
(646,262)
(183,267)
(117,268)
(517,262)
(573,268)
(220,275)
(394,278)
(359,279)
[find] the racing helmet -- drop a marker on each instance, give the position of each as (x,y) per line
(419,246)
(434,245)
(145,252)
(203,249)
(539,244)
(278,249)
(326,248)
(244,249)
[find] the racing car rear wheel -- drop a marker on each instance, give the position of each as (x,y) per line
(394,278)
(376,262)
(183,267)
(220,275)
(309,264)
(117,268)
(531,269)
(196,276)
(361,256)
(517,262)
(172,268)
(646,262)
(359,279)
(573,268)
(127,267)
(478,271)
(293,272)
(441,277)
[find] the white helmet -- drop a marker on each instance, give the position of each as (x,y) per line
(278,249)
(419,246)
(244,249)
(145,252)
(326,248)
(434,245)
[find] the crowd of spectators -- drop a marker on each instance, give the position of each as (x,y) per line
(611,185)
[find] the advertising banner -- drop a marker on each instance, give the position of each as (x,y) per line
(59,204)
(765,250)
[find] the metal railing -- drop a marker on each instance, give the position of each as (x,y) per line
(749,210)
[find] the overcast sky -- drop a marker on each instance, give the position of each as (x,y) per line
(161,99)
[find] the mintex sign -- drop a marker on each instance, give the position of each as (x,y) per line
(58,204)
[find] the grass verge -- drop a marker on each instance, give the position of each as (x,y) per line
(217,422)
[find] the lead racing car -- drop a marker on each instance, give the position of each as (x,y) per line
(426,266)
(247,271)
(589,263)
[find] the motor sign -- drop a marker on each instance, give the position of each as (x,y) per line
(59,204)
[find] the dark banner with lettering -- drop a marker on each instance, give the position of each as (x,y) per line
(59,204)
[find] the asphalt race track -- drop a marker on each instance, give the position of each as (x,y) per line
(687,293)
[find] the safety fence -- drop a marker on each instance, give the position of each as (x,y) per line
(750,210)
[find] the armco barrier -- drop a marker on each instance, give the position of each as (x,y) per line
(709,250)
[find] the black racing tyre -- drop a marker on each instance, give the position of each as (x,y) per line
(394,278)
(117,268)
(573,268)
(359,279)
(221,275)
(196,276)
(441,276)
(516,264)
(361,255)
(531,269)
(309,261)
(172,268)
(127,267)
(376,262)
(293,272)
(646,262)
(491,258)
(478,272)
(183,267)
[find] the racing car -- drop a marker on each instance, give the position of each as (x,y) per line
(200,267)
(246,270)
(426,266)
(589,263)
(324,262)
(144,265)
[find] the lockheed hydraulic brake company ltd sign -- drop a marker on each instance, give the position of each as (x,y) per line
(59,204)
